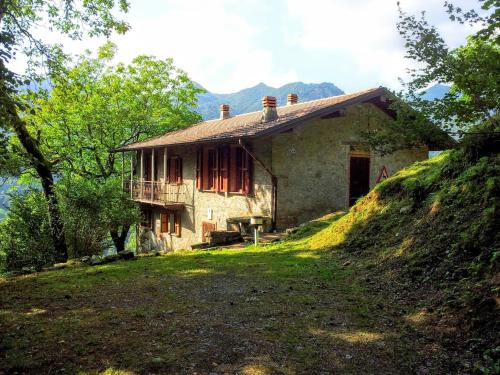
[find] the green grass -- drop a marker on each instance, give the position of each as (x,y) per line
(282,308)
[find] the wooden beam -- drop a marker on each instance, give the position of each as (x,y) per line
(132,174)
(165,165)
(141,177)
(152,173)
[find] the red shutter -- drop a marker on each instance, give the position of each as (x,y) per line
(223,168)
(205,174)
(199,168)
(172,170)
(233,169)
(215,170)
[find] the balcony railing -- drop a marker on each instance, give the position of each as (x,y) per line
(155,191)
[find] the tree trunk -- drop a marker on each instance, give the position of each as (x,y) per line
(119,239)
(44,170)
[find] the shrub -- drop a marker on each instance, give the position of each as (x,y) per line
(25,239)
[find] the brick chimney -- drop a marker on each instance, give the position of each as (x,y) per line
(224,111)
(292,99)
(269,112)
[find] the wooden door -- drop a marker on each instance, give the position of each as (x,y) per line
(205,228)
(359,178)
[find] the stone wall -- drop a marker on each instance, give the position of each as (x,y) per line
(312,163)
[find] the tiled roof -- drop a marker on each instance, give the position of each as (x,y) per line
(249,125)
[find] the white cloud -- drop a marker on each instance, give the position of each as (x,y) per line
(227,45)
(214,44)
(365,31)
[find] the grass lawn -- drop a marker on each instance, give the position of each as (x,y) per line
(278,309)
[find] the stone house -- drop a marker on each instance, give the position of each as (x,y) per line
(285,164)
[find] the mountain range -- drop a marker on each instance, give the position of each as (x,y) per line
(249,99)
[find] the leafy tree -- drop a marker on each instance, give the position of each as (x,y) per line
(95,107)
(471,69)
(18,20)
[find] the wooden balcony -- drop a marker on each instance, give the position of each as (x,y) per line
(156,192)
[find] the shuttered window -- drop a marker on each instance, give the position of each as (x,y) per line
(174,170)
(225,169)
(171,222)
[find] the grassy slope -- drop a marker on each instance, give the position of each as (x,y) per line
(430,236)
(381,289)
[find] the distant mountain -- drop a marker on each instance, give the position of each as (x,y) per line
(249,100)
(437,91)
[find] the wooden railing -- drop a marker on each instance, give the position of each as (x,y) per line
(155,191)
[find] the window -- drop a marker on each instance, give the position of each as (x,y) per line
(240,171)
(171,222)
(225,168)
(174,170)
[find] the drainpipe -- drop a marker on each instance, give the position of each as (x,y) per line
(274,182)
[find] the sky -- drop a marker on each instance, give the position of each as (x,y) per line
(228,45)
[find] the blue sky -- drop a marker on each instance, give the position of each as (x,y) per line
(227,45)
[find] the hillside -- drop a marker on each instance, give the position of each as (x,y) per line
(428,238)
(249,99)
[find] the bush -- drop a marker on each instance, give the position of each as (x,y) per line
(90,210)
(25,239)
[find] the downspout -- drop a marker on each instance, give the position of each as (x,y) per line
(274,183)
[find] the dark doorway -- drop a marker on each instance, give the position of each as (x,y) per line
(359,178)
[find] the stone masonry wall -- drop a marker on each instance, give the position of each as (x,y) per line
(312,163)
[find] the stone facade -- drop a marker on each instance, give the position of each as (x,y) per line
(311,163)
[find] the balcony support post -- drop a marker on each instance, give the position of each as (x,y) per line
(152,174)
(123,171)
(141,180)
(165,160)
(132,175)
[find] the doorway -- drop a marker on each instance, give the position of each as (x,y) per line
(359,178)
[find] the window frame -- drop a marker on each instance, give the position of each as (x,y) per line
(173,222)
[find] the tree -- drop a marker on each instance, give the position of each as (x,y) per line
(18,19)
(95,107)
(471,70)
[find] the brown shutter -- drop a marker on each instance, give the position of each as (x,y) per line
(223,168)
(247,175)
(199,168)
(233,169)
(179,170)
(164,222)
(205,174)
(177,223)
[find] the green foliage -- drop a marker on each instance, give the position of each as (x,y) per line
(471,69)
(94,108)
(25,239)
(90,211)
